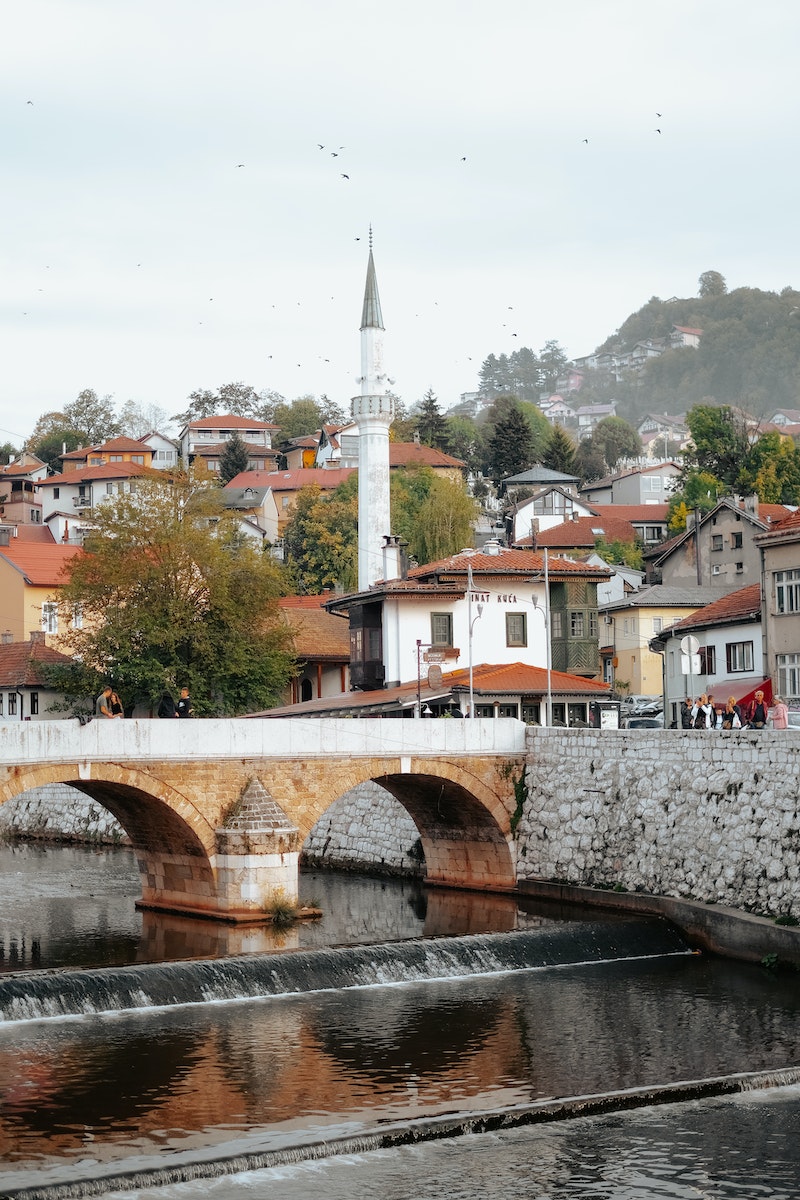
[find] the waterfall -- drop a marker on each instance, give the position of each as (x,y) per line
(33,996)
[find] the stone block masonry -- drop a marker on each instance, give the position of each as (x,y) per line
(706,816)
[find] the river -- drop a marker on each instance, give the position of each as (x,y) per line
(403,1015)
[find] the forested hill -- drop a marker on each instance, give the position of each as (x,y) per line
(749,353)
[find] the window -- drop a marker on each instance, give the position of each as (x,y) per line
(556,624)
(138,458)
(516,629)
(50,617)
(708,660)
(593,624)
(652,533)
(736,541)
(577,624)
(739,656)
(96,462)
(1,704)
(652,483)
(716,541)
(788,667)
(34,704)
(109,489)
(441,629)
(787,591)
(374,644)
(658,624)
(56,493)
(12,704)
(77,617)
(36,516)
(740,568)
(115,458)
(716,569)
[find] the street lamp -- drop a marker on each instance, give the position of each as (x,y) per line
(471,621)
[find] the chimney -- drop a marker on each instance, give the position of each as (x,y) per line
(6,638)
(393,557)
(37,637)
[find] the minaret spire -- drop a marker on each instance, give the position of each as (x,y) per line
(373,412)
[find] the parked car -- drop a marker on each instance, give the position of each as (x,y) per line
(641,706)
(642,723)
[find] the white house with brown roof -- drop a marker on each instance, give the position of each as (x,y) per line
(67,499)
(24,692)
(205,439)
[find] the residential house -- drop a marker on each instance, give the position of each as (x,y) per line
(557,411)
(67,499)
(637,485)
(589,416)
(25,694)
(165,451)
(660,433)
(728,661)
(571,381)
(780,584)
(628,626)
(491,607)
(538,479)
(785,416)
(649,521)
(322,645)
(19,501)
(300,453)
(582,533)
(718,550)
(31,574)
(116,450)
(548,506)
(205,439)
(338,447)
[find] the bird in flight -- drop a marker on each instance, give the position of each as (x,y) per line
(464,159)
(29,102)
(586,141)
(658,131)
(320,145)
(334,154)
(658,114)
(345,176)
(240,164)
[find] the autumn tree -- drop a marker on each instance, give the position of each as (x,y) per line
(172,594)
(321,539)
(232,399)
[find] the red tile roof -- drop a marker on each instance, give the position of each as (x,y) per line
(292,481)
(317,635)
(20,663)
(506,562)
(116,470)
(41,565)
(585,531)
(119,445)
(735,606)
(657,513)
(403,454)
(35,533)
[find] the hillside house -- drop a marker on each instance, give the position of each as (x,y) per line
(25,694)
(205,440)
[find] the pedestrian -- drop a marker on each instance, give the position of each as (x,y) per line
(779,713)
(703,714)
(102,705)
(184,705)
(166,706)
(757,712)
(732,715)
(115,704)
(686,714)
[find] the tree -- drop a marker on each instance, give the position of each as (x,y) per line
(511,444)
(465,440)
(93,417)
(444,522)
(431,424)
(589,461)
(234,457)
(616,439)
(232,399)
(321,539)
(553,361)
(51,436)
(721,443)
(711,283)
(560,453)
(699,493)
(138,419)
(172,594)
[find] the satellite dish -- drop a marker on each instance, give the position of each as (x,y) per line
(690,644)
(434,676)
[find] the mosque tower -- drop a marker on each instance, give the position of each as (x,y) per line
(373,412)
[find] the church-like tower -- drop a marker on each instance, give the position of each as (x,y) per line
(373,412)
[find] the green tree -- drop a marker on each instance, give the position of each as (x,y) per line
(431,424)
(321,539)
(51,435)
(628,554)
(232,399)
(171,594)
(511,444)
(721,443)
(234,457)
(553,362)
(589,461)
(711,283)
(560,452)
(699,493)
(616,439)
(93,417)
(465,440)
(444,522)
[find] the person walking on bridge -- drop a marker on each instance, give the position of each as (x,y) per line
(184,704)
(102,705)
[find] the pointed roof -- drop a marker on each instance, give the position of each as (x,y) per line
(371,317)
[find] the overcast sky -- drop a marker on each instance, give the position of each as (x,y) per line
(505,153)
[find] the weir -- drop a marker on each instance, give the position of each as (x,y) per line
(36,996)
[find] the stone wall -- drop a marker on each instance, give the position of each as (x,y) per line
(57,812)
(709,816)
(367,829)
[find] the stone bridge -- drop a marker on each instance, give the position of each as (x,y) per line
(218,810)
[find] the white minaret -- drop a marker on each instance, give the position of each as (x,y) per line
(373,412)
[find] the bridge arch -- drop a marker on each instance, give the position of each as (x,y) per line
(463,821)
(164,827)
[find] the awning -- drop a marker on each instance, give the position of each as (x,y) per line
(742,690)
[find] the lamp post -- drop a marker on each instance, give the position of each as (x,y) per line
(471,621)
(548,647)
